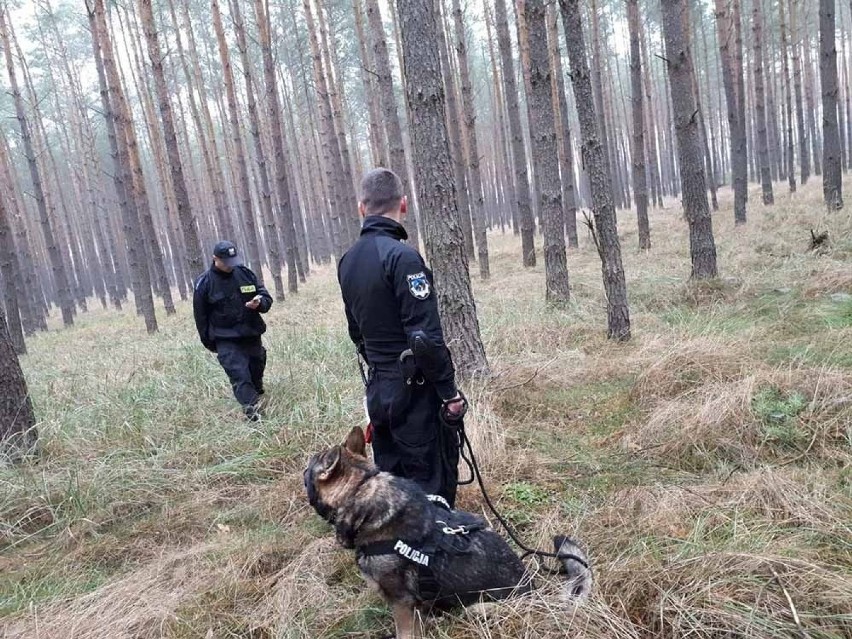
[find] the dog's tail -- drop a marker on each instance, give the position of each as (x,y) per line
(576,565)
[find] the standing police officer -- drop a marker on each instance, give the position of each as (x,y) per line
(393,319)
(227,304)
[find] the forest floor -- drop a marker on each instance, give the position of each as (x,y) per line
(706,464)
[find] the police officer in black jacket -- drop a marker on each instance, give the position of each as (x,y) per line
(392,312)
(227,304)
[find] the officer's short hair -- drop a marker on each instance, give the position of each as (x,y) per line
(381,191)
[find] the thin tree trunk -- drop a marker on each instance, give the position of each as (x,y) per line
(693,184)
(58,265)
(760,105)
(189,227)
(378,138)
(810,106)
(274,112)
(271,234)
(253,249)
(393,127)
(419,25)
(455,141)
(804,146)
(832,176)
(563,131)
(594,159)
(640,189)
(788,101)
(544,155)
(510,91)
(115,116)
(473,169)
(656,179)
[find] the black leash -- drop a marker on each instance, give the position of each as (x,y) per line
(456,423)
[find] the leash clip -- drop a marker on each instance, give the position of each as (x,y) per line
(458,530)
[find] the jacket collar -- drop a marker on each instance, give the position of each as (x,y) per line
(381,225)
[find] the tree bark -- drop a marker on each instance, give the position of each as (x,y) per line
(11,276)
(519,156)
(804,146)
(640,189)
(269,222)
(253,249)
(832,176)
(114,116)
(594,159)
(378,138)
(390,113)
(442,233)
(693,184)
(473,169)
(790,164)
(274,113)
(563,131)
(810,106)
(760,105)
(195,262)
(544,155)
(18,434)
(58,265)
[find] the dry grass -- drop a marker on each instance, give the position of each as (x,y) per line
(706,465)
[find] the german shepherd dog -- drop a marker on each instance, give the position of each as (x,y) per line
(416,554)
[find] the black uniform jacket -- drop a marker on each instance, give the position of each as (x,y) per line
(219,305)
(389,297)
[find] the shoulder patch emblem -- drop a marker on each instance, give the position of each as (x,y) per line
(418,285)
(251,288)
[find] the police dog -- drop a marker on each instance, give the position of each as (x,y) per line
(469,563)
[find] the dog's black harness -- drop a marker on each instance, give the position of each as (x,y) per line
(447,538)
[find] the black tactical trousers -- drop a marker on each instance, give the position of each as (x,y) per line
(244,360)
(408,437)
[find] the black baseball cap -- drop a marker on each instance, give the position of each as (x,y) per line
(227,252)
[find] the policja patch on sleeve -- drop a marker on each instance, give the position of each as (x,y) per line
(418,285)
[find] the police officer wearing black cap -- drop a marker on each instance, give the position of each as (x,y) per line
(392,312)
(227,304)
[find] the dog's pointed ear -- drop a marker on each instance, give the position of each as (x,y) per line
(355,442)
(330,463)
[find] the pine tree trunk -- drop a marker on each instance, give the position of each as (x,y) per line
(760,105)
(269,221)
(11,282)
(378,138)
(455,140)
(114,116)
(563,131)
(593,154)
(274,114)
(653,156)
(253,250)
(510,91)
(640,189)
(58,265)
(810,107)
(419,24)
(18,434)
(473,169)
(804,146)
(331,158)
(790,164)
(544,155)
(693,184)
(390,113)
(832,177)
(195,261)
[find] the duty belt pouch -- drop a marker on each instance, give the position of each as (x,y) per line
(409,370)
